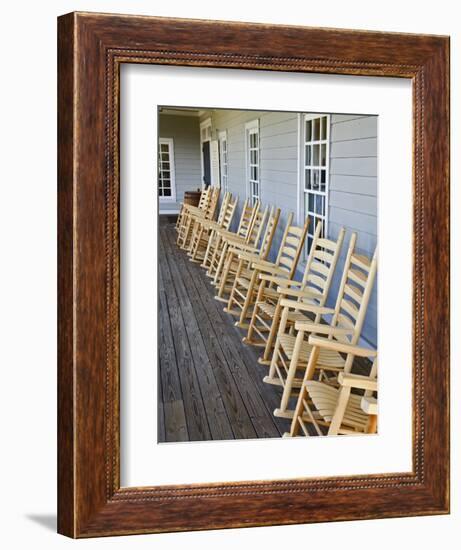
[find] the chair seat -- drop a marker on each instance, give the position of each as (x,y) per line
(293,316)
(327,358)
(325,399)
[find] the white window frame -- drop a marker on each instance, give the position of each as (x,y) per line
(303,191)
(170,143)
(205,135)
(223,161)
(252,128)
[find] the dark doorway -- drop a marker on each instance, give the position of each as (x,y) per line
(206,163)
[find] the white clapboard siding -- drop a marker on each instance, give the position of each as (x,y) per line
(353,195)
(185,132)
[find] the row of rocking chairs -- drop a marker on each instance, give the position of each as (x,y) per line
(312,360)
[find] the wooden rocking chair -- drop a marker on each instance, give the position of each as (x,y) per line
(247,281)
(335,411)
(205,231)
(256,247)
(313,289)
(256,250)
(193,214)
(203,202)
(292,351)
(243,234)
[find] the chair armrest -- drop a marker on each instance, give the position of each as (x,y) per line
(320,328)
(278,280)
(268,267)
(369,405)
(298,293)
(357,381)
(241,246)
(340,346)
(248,256)
(302,306)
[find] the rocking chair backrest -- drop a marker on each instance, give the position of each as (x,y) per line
(257,226)
(245,219)
(291,246)
(227,211)
(354,295)
(271,228)
(212,205)
(321,264)
(204,198)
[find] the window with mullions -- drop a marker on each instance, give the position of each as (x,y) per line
(252,140)
(166,183)
(316,172)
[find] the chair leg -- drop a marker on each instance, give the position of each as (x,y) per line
(222,260)
(272,376)
(249,337)
(291,375)
(248,298)
(265,359)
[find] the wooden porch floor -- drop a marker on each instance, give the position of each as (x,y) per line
(210,383)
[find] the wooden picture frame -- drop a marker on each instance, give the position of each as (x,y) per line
(91,49)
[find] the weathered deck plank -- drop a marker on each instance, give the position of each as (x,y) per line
(219,425)
(239,418)
(196,417)
(174,416)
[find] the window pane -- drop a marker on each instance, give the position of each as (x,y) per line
(323,180)
(311,202)
(316,129)
(164,147)
(253,158)
(315,179)
(315,160)
(324,128)
(323,154)
(308,130)
(319,204)
(167,192)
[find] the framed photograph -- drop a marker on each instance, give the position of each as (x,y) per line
(251,218)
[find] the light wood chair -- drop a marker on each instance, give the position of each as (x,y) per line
(247,281)
(205,231)
(257,247)
(292,350)
(212,259)
(193,214)
(336,410)
(313,289)
(203,202)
